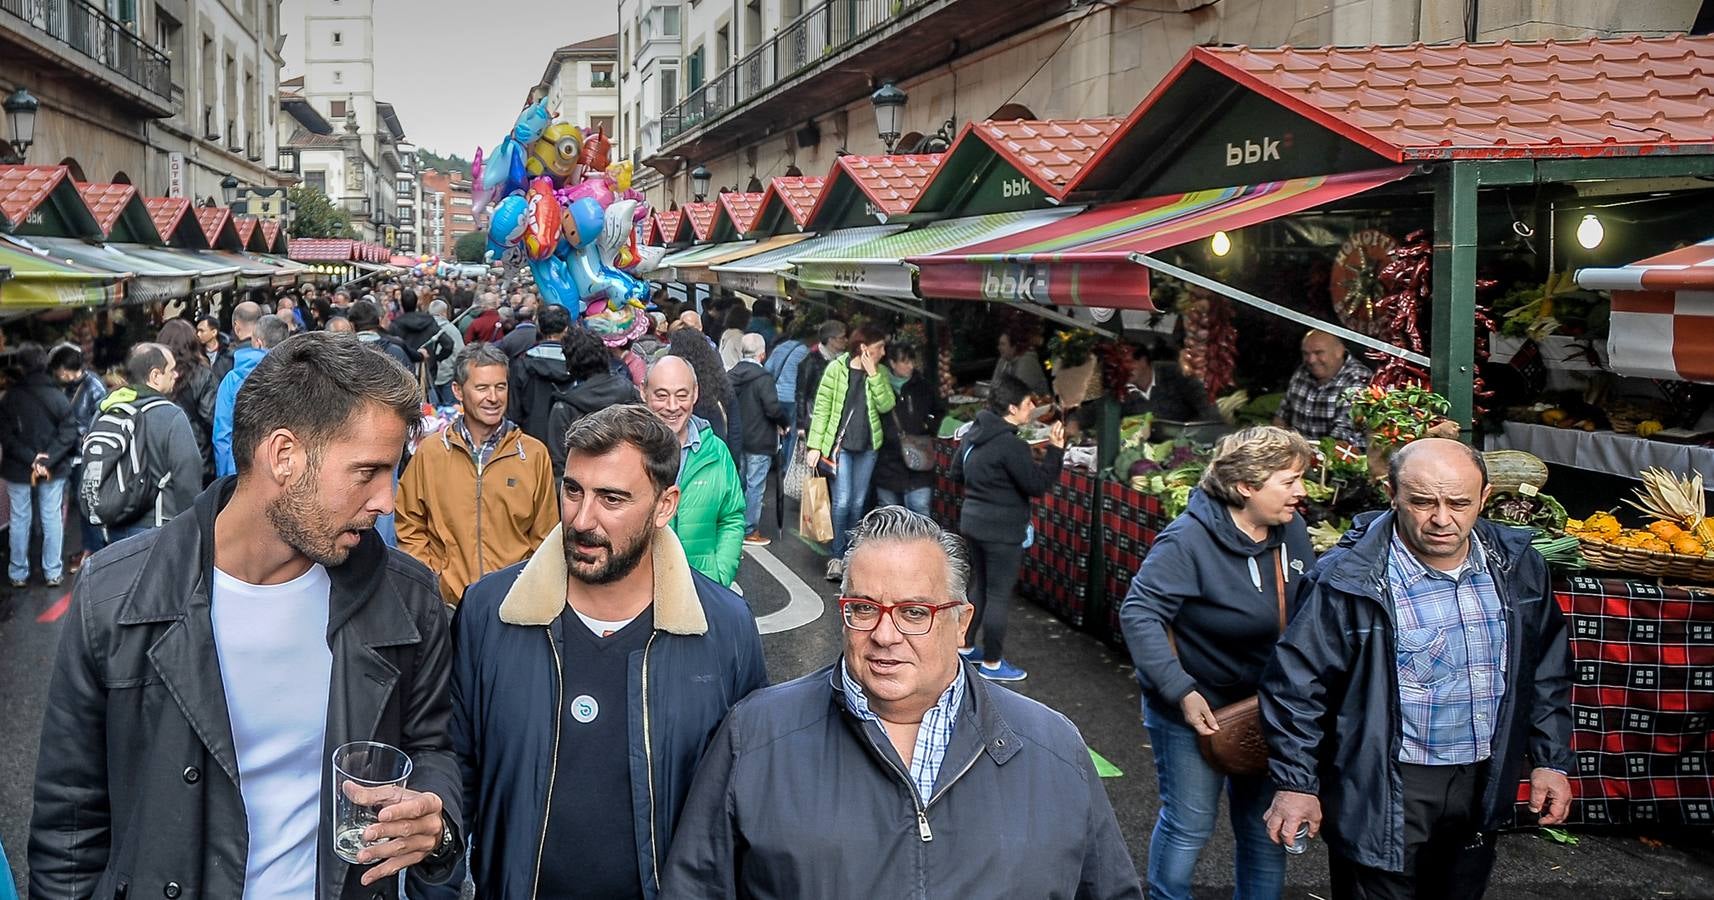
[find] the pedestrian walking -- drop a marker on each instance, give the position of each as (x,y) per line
(524,333)
(812,788)
(846,430)
(717,402)
(592,386)
(709,518)
(1000,478)
(539,374)
(223,658)
(270,332)
(84,391)
(164,443)
(759,409)
(440,392)
(1425,673)
(1201,619)
(783,362)
(641,657)
(904,468)
(732,334)
(195,389)
(831,339)
(39,434)
(366,322)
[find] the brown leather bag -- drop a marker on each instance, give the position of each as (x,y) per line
(1238,748)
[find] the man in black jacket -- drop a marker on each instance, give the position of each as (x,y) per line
(539,373)
(419,332)
(208,670)
(39,434)
(1426,663)
(763,420)
(830,342)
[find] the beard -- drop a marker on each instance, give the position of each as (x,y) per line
(620,562)
(302,521)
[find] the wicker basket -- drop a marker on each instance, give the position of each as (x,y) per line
(1648,562)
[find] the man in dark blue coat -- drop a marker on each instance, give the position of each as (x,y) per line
(1426,665)
(588,681)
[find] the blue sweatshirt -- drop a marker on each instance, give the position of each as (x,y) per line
(243,362)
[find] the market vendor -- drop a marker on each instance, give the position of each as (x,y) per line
(1018,359)
(1315,405)
(1162,390)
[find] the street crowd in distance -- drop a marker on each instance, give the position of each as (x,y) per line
(443,516)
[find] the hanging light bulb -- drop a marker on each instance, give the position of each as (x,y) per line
(1220,244)
(1590,233)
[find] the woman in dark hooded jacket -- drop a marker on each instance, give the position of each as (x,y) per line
(196,388)
(1201,620)
(592,386)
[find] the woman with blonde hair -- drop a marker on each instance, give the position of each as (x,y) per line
(1201,620)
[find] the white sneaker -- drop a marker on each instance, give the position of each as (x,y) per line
(835,570)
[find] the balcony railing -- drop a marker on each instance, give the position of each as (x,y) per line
(820,32)
(100,37)
(356,207)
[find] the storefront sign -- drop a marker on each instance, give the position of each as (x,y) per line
(175,175)
(1015,282)
(760,284)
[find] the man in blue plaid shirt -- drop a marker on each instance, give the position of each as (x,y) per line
(1315,405)
(1426,665)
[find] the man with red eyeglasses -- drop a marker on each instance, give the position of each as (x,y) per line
(896,771)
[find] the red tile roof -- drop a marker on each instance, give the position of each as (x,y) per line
(670,221)
(891,183)
(23,188)
(797,192)
(701,217)
(246,226)
(167,211)
(322,249)
(271,234)
(652,230)
(1552,98)
(741,208)
(213,220)
(1049,151)
(107,202)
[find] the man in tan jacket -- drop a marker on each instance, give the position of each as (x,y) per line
(478,496)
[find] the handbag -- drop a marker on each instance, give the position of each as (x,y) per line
(1239,748)
(796,471)
(917,449)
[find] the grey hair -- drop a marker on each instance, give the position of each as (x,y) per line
(899,525)
(271,331)
(439,308)
(753,345)
(476,355)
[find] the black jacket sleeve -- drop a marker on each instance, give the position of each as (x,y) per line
(769,396)
(1550,713)
(183,460)
(1312,659)
(427,725)
(70,826)
(704,859)
(1032,480)
(63,443)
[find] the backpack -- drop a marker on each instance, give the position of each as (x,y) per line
(115,488)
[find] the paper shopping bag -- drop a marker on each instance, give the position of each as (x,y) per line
(815,515)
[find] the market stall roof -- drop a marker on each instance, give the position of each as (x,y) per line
(650,235)
(692,266)
(1006,166)
(1090,259)
(321,249)
(1256,114)
(876,268)
(786,204)
(206,274)
(297,270)
(870,190)
(734,215)
(250,233)
(43,200)
(149,280)
(763,274)
(38,282)
(218,228)
(175,222)
(121,213)
(673,227)
(278,242)
(1663,314)
(252,272)
(700,219)
(404,262)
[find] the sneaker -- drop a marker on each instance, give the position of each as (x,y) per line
(835,570)
(1002,671)
(970,653)
(756,539)
(19,584)
(55,581)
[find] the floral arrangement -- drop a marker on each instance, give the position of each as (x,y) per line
(1396,415)
(1071,347)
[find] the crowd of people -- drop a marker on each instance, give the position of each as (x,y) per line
(535,601)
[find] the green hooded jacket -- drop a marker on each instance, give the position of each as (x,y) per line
(829,410)
(710,518)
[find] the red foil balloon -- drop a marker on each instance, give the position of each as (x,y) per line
(541,229)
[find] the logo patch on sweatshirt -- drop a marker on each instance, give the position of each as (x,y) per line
(513,482)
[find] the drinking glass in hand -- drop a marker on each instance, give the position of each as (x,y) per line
(367,778)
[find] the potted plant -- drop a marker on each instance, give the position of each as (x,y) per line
(1395,416)
(1071,361)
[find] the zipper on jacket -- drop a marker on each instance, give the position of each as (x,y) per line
(553,769)
(481,569)
(923,831)
(649,765)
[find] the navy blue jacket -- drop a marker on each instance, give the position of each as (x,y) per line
(703,656)
(1330,697)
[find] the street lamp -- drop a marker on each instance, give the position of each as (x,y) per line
(889,110)
(229,189)
(21,118)
(699,179)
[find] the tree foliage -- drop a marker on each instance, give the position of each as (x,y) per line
(315,216)
(470,247)
(427,159)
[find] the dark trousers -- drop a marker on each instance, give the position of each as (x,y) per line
(1445,856)
(993,573)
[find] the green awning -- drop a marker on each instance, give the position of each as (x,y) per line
(151,281)
(693,257)
(877,268)
(39,282)
(206,274)
(763,275)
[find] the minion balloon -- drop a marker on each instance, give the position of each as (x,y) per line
(556,153)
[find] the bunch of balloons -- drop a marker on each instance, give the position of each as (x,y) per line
(572,214)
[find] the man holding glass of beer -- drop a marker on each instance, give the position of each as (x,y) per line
(209,669)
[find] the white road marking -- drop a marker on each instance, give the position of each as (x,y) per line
(805,605)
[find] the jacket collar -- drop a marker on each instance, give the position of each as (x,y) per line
(537,597)
(992,734)
(1361,567)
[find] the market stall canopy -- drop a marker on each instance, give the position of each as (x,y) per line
(693,266)
(44,201)
(275,236)
(1663,314)
(150,280)
(1242,114)
(176,222)
(673,229)
(1009,166)
(786,204)
(252,272)
(39,283)
(321,249)
(870,190)
(876,268)
(699,218)
(219,228)
(206,274)
(763,274)
(120,211)
(250,233)
(1092,258)
(298,271)
(735,214)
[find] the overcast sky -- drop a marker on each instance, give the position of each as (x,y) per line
(457,72)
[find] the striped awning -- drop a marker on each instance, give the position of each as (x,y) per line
(1091,259)
(38,282)
(877,268)
(151,280)
(206,274)
(693,266)
(1663,314)
(763,274)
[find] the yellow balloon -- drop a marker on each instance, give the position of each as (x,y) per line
(556,151)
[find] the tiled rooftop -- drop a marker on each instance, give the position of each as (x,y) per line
(213,221)
(271,233)
(797,192)
(701,217)
(23,188)
(321,249)
(670,220)
(107,202)
(246,226)
(892,183)
(1049,151)
(166,211)
(741,208)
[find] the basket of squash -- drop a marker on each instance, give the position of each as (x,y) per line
(1678,543)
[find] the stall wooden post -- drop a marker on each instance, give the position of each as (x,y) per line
(1452,346)
(1106,450)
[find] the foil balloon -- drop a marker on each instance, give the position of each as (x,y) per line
(595,157)
(507,224)
(555,154)
(541,220)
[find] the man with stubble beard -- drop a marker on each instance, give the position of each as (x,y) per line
(588,680)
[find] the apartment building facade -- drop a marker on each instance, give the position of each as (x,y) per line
(446,210)
(585,78)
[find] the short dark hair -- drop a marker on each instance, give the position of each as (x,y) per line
(65,357)
(143,359)
(867,333)
(738,317)
(271,332)
(604,430)
(208,320)
(1006,392)
(312,384)
(364,315)
(29,359)
(585,355)
(1396,464)
(408,300)
(477,354)
(553,319)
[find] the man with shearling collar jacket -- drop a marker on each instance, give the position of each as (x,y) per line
(209,668)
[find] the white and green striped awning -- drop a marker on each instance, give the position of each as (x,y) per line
(763,275)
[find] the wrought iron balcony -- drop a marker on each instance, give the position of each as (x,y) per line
(101,38)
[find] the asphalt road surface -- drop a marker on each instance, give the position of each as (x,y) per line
(1069,671)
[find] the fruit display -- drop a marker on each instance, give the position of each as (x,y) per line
(1677,542)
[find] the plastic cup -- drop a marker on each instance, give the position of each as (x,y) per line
(375,771)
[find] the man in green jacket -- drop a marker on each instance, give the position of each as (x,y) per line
(710,518)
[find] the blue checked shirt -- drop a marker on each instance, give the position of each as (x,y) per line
(933,736)
(1317,410)
(1451,657)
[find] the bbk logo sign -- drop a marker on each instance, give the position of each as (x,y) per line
(1251,152)
(1015,283)
(1016,187)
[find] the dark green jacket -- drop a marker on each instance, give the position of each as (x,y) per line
(710,519)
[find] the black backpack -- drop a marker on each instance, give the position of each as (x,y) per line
(116,489)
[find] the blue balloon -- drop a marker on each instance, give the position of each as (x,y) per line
(589,220)
(506,224)
(554,282)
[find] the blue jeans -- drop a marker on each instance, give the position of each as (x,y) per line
(850,492)
(789,442)
(23,498)
(756,469)
(916,499)
(441,395)
(1190,804)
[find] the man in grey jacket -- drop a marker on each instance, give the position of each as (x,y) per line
(443,370)
(896,771)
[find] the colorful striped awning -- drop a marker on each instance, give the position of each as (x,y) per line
(763,274)
(1090,259)
(1663,314)
(38,282)
(150,280)
(875,269)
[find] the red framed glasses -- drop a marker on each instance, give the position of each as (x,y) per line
(913,617)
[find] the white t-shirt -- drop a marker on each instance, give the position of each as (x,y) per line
(276,665)
(603,627)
